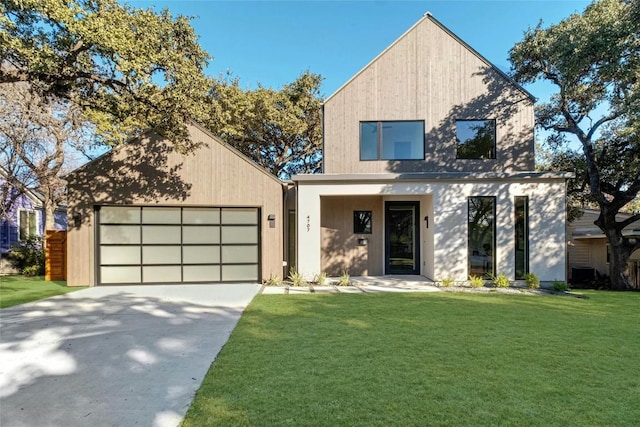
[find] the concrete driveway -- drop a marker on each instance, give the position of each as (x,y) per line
(113,356)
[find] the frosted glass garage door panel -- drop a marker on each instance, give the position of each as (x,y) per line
(120,255)
(239,216)
(161,234)
(200,234)
(119,215)
(120,234)
(201,273)
(239,254)
(161,215)
(234,273)
(119,275)
(239,234)
(201,254)
(164,274)
(161,254)
(200,216)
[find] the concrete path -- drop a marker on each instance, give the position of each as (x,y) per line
(113,356)
(361,284)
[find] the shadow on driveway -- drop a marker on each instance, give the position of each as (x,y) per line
(122,356)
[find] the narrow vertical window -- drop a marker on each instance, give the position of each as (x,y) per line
(482,232)
(522,236)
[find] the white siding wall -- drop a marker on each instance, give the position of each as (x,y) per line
(444,244)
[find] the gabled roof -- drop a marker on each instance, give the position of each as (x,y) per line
(35,196)
(194,124)
(428,16)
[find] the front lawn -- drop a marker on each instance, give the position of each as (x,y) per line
(427,359)
(16,290)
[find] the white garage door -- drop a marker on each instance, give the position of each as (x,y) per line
(177,245)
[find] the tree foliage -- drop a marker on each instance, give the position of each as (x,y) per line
(281,130)
(593,59)
(125,69)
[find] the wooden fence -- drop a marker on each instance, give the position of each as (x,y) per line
(56,255)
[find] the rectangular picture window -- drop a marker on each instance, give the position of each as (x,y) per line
(476,139)
(401,140)
(362,222)
(482,236)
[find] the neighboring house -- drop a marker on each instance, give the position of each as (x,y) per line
(588,250)
(428,170)
(144,213)
(26,218)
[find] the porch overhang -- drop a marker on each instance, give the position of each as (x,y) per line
(430,176)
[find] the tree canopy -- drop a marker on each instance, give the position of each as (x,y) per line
(125,69)
(593,60)
(281,130)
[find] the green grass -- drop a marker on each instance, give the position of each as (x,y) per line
(427,359)
(16,290)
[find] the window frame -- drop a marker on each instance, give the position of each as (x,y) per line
(495,139)
(486,274)
(31,229)
(525,236)
(370,228)
(379,141)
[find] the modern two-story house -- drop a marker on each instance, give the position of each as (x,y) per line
(428,170)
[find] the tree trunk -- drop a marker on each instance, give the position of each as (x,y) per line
(619,266)
(620,249)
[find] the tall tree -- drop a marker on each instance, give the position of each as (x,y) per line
(124,69)
(593,59)
(36,137)
(280,130)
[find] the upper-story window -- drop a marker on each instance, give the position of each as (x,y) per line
(476,139)
(402,140)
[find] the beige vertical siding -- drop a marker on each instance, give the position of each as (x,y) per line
(429,75)
(340,248)
(148,172)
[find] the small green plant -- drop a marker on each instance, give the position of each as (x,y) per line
(28,257)
(476,281)
(501,281)
(533,281)
(345,279)
(560,286)
(320,279)
(447,282)
(274,280)
(296,278)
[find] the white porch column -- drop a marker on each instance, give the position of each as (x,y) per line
(309,243)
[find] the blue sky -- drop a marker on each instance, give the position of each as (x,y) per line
(272,42)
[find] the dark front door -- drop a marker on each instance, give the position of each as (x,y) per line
(402,237)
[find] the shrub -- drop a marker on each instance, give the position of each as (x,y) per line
(321,278)
(28,257)
(501,281)
(345,279)
(533,281)
(560,286)
(296,278)
(476,281)
(274,280)
(447,282)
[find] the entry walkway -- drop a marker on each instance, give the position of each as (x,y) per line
(361,284)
